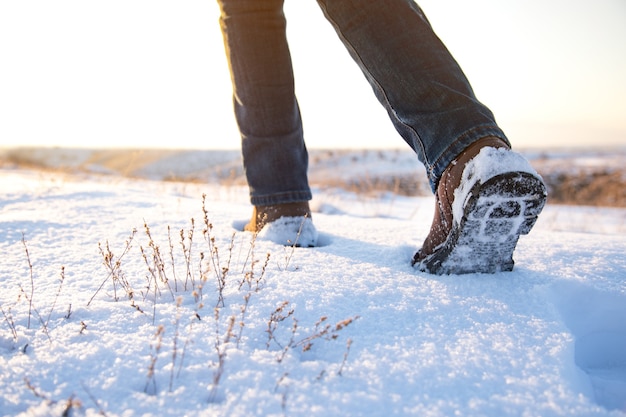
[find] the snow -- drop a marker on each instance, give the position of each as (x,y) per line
(489,162)
(290,231)
(547,339)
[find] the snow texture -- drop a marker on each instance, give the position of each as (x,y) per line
(116,322)
(291,231)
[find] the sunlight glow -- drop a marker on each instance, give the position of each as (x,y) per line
(153,74)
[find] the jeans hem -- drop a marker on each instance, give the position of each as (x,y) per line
(435,171)
(281,198)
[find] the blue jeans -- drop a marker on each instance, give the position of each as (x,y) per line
(413,75)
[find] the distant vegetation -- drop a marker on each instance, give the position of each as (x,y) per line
(573,177)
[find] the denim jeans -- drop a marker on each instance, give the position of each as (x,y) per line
(411,72)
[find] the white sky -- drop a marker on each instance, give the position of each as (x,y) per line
(151,73)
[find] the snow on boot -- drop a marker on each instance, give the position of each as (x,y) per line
(486,199)
(288,224)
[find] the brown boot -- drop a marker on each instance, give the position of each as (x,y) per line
(262,215)
(500,197)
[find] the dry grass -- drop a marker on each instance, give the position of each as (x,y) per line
(228,269)
(363,172)
(602,188)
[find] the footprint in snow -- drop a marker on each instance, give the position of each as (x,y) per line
(598,322)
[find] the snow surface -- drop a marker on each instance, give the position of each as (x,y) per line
(298,231)
(548,339)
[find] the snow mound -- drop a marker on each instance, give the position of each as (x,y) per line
(291,231)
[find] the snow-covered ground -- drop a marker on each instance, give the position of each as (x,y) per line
(99,318)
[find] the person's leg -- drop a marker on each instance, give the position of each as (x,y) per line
(275,157)
(426,94)
(486,195)
(274,153)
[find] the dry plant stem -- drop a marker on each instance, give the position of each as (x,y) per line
(157,291)
(114,268)
(283,401)
(187,253)
(220,347)
(57,295)
(116,273)
(220,272)
(226,269)
(327,332)
(280,381)
(154,354)
(276,318)
(292,249)
(9,319)
(93,399)
(249,279)
(182,356)
(179,301)
(294,329)
(44,327)
(317,333)
(231,247)
(70,403)
(157,269)
(262,276)
(197,290)
(154,304)
(151,273)
(345,356)
(250,254)
(32,282)
(243,308)
(35,391)
(169,240)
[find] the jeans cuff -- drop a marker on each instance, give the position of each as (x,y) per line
(435,171)
(281,198)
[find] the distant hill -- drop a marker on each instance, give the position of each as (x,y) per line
(574,176)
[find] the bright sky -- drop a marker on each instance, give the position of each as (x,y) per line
(151,73)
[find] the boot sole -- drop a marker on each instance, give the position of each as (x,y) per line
(496,213)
